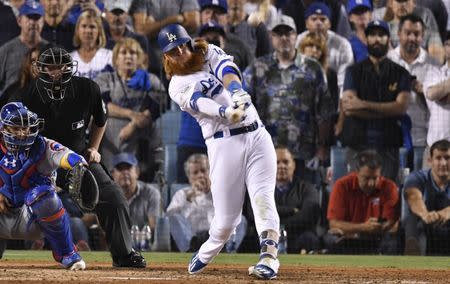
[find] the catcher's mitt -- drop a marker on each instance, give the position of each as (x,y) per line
(83,187)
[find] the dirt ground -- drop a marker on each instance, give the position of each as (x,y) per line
(48,272)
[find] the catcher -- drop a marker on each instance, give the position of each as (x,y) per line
(29,204)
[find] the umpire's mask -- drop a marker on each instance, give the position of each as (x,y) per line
(55,67)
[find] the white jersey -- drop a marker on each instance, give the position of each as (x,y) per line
(204,97)
(185,91)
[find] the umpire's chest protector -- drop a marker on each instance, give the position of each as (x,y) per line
(17,175)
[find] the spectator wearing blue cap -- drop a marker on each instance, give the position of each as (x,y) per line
(431,41)
(376,95)
(359,15)
(256,36)
(340,54)
(30,21)
(143,199)
(57,29)
(216,10)
(339,21)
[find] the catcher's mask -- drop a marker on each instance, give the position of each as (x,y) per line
(55,67)
(19,127)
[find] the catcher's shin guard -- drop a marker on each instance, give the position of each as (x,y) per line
(268,264)
(47,210)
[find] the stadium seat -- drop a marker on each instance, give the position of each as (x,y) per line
(170,163)
(338,164)
(170,122)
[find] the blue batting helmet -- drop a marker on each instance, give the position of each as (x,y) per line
(19,127)
(171,36)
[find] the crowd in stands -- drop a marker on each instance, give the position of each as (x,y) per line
(366,78)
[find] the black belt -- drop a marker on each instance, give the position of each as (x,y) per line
(237,131)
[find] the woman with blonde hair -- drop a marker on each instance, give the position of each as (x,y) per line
(315,46)
(89,40)
(131,95)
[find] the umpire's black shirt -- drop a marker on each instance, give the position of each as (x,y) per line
(379,86)
(66,121)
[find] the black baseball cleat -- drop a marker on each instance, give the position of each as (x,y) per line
(133,260)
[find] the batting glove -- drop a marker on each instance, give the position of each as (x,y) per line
(235,115)
(241,97)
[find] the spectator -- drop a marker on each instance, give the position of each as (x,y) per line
(57,29)
(431,39)
(291,94)
(298,205)
(31,22)
(90,39)
(437,7)
(315,46)
(340,55)
(9,28)
(81,6)
(191,209)
(261,11)
(234,46)
(359,15)
(427,194)
(339,21)
(116,14)
(256,36)
(363,210)
(149,16)
(131,96)
(438,101)
(410,55)
(25,75)
(376,93)
(143,199)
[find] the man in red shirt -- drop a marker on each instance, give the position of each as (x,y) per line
(363,210)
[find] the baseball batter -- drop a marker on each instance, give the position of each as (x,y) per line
(206,83)
(29,205)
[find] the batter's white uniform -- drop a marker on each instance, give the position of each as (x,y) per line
(237,162)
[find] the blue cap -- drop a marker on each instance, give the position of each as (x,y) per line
(124,158)
(378,24)
(211,26)
(31,7)
(317,8)
(353,4)
(222,4)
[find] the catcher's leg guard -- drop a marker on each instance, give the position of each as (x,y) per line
(49,213)
(268,264)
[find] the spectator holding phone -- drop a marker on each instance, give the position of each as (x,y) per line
(362,210)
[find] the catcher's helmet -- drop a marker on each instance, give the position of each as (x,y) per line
(19,127)
(55,67)
(171,36)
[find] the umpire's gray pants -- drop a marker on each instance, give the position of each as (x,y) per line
(14,225)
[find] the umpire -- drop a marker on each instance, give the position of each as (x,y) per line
(67,103)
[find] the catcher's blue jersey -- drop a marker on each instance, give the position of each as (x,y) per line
(19,174)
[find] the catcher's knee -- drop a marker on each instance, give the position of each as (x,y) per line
(43,201)
(269,243)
